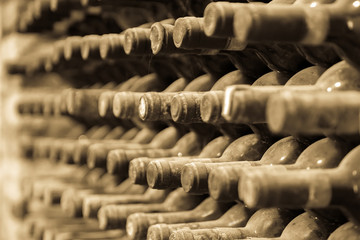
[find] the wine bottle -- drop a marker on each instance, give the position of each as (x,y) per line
(328,19)
(338,187)
(211,105)
(163,173)
(249,104)
(92,203)
(188,30)
(70,148)
(97,153)
(67,147)
(330,113)
(348,230)
(72,198)
(220,21)
(137,40)
(185,107)
(324,153)
(79,152)
(138,166)
(161,37)
(306,226)
(125,104)
(137,224)
(110,234)
(236,216)
(105,104)
(114,216)
(148,107)
(223,179)
(268,222)
(118,160)
(155,106)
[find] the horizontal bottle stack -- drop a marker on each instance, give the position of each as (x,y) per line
(190,120)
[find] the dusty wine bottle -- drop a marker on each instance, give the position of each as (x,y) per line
(306,226)
(268,222)
(114,216)
(348,230)
(223,179)
(324,153)
(236,216)
(315,188)
(329,113)
(97,153)
(319,24)
(137,224)
(185,107)
(163,173)
(138,166)
(92,203)
(118,160)
(248,105)
(212,102)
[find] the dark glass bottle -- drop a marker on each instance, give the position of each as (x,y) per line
(138,166)
(268,222)
(137,224)
(163,173)
(315,188)
(223,179)
(114,216)
(236,216)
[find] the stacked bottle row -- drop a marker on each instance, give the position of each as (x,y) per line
(214,127)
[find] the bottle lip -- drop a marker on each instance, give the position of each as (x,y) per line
(157,37)
(213,19)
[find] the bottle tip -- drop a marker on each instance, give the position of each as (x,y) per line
(182,234)
(181,32)
(96,156)
(137,171)
(72,47)
(249,191)
(194,178)
(210,108)
(104,46)
(90,47)
(70,101)
(136,226)
(115,161)
(103,218)
(66,154)
(143,108)
(125,104)
(71,204)
(105,103)
(213,19)
(217,185)
(277,112)
(243,22)
(91,206)
(158,231)
(156,173)
(157,35)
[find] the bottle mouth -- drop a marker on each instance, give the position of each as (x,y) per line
(177,108)
(143,108)
(157,37)
(104,46)
(154,174)
(213,21)
(180,34)
(130,41)
(72,47)
(210,108)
